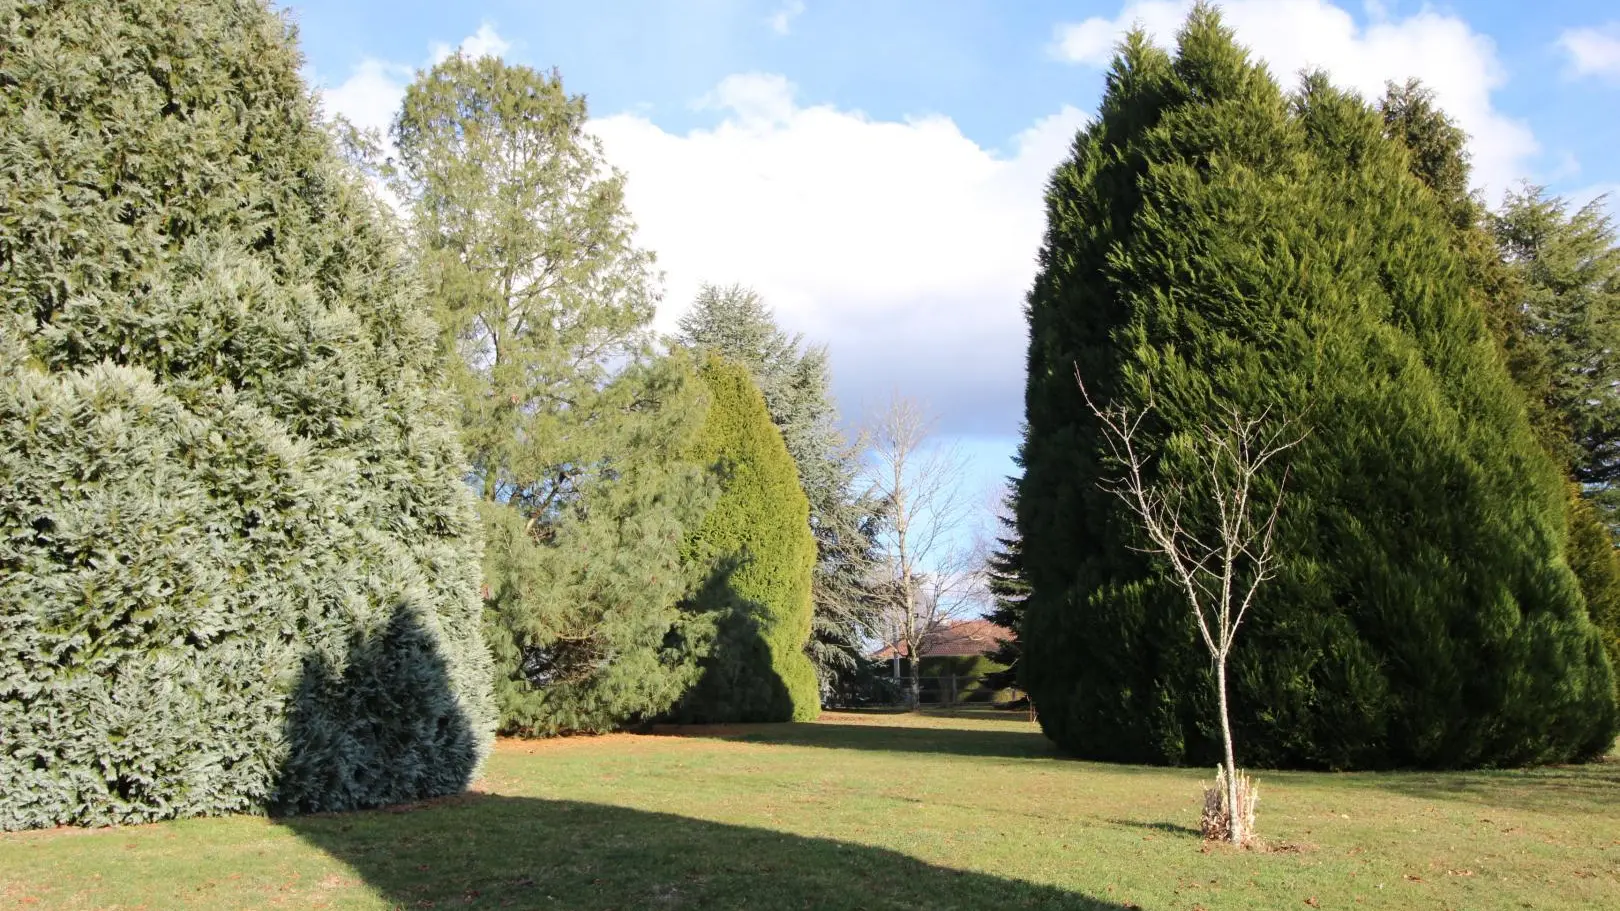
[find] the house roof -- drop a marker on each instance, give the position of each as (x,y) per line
(955,640)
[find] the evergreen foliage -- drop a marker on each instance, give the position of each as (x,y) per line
(1004,571)
(1540,276)
(238,567)
(734,322)
(573,424)
(1213,242)
(1568,267)
(757,544)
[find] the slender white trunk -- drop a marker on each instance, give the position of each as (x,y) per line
(1235,818)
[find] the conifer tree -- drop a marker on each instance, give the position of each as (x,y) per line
(1214,243)
(734,322)
(573,423)
(756,546)
(1540,278)
(1568,267)
(1004,570)
(238,566)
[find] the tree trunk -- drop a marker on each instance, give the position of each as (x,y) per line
(1234,817)
(914,697)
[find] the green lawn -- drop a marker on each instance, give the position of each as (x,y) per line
(863,811)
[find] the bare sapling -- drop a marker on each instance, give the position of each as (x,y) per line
(1218,555)
(929,577)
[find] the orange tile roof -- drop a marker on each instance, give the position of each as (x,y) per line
(953,640)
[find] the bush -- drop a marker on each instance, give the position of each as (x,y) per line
(238,569)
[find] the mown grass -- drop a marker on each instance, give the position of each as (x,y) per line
(864,811)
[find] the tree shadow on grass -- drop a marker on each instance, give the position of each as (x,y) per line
(1168,828)
(883,738)
(1590,788)
(494,852)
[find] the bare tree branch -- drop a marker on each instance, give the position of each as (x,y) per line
(1219,580)
(930,577)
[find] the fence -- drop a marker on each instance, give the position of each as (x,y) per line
(934,691)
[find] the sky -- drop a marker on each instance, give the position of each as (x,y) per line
(875,170)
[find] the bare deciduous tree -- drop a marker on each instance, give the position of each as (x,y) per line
(930,575)
(1218,554)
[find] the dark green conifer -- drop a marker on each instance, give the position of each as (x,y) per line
(1004,569)
(1549,285)
(1212,243)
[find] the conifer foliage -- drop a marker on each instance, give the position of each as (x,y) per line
(238,567)
(796,381)
(573,423)
(1214,243)
(759,554)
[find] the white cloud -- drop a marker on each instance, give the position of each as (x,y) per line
(371,95)
(904,245)
(483,43)
(781,21)
(1593,51)
(1458,63)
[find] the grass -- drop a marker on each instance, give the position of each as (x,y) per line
(863,811)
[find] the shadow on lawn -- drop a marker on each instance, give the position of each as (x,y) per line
(491,851)
(880,737)
(1591,788)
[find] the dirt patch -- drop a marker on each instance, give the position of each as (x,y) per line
(659,737)
(531,745)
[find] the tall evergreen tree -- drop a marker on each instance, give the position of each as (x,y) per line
(758,555)
(238,567)
(1214,243)
(796,382)
(573,425)
(1004,569)
(1525,268)
(1568,266)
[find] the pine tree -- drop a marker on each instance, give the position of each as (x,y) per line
(1568,266)
(1214,243)
(238,567)
(573,424)
(734,322)
(1004,569)
(760,555)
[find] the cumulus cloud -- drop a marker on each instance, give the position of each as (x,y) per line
(1458,63)
(1593,51)
(781,21)
(904,245)
(371,95)
(485,42)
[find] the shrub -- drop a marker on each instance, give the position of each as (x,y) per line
(238,569)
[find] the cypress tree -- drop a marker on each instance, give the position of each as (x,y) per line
(238,567)
(796,381)
(1212,243)
(1549,285)
(572,421)
(759,554)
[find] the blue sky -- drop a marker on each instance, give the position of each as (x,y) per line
(875,168)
